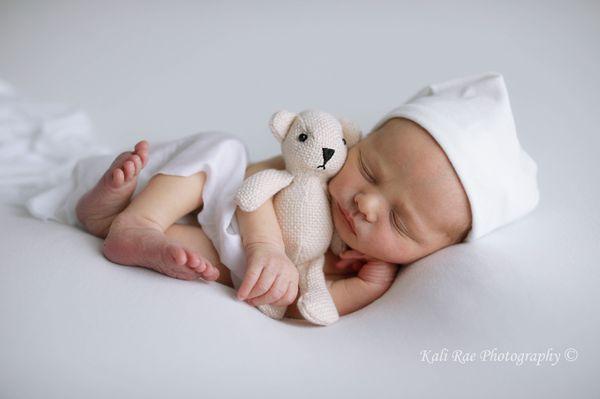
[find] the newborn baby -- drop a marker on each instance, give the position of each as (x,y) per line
(444,167)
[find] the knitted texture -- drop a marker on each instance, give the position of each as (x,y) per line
(314,148)
(315,304)
(261,186)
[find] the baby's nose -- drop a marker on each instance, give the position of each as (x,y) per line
(368,206)
(327,154)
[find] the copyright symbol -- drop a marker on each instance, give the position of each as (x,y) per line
(571,354)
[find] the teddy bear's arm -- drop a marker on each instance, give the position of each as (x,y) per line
(261,186)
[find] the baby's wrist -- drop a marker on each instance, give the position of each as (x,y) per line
(261,245)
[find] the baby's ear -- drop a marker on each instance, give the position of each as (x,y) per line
(352,132)
(280,124)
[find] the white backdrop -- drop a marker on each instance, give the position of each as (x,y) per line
(160,70)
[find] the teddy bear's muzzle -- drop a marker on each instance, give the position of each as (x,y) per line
(327,154)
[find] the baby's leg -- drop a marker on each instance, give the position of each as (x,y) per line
(137,234)
(194,238)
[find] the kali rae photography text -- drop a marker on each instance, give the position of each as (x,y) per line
(549,357)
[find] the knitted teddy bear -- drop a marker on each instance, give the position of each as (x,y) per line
(314,145)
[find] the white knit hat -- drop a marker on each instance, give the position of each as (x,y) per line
(472,121)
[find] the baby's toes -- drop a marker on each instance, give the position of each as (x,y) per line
(176,254)
(137,162)
(141,145)
(141,149)
(211,273)
(181,274)
(117,178)
(195,263)
(206,270)
(129,170)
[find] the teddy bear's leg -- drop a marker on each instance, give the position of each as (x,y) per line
(274,312)
(315,302)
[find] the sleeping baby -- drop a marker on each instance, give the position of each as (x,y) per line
(443,168)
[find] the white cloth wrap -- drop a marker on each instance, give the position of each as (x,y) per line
(221,156)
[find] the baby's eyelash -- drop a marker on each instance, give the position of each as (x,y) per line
(394,223)
(364,171)
(401,229)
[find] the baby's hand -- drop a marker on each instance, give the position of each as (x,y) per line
(369,269)
(271,277)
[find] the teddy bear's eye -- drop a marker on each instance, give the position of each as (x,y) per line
(344,140)
(302,137)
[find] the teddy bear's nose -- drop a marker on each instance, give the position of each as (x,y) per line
(327,154)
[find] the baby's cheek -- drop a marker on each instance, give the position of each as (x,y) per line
(389,249)
(334,182)
(401,253)
(331,187)
(343,177)
(340,228)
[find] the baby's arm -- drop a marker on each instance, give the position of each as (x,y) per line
(354,281)
(374,278)
(271,278)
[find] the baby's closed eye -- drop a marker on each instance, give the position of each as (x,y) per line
(364,170)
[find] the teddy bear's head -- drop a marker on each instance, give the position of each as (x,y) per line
(313,141)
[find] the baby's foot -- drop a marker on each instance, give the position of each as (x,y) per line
(98,207)
(135,241)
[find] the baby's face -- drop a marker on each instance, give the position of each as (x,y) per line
(401,195)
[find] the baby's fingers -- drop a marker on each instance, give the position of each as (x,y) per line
(277,290)
(347,263)
(352,254)
(264,283)
(289,297)
(250,280)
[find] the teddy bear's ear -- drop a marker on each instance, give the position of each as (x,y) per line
(280,123)
(352,132)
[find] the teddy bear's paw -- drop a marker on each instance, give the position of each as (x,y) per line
(274,312)
(318,309)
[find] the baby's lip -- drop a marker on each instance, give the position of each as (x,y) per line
(348,218)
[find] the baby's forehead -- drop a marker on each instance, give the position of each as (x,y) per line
(403,144)
(411,157)
(399,131)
